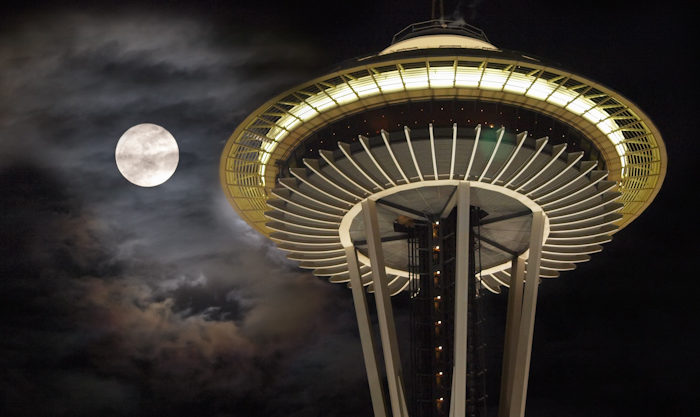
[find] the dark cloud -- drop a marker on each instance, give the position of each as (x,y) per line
(81,317)
(118,300)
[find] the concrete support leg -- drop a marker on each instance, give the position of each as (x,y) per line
(458,406)
(515,307)
(523,350)
(387,328)
(368,344)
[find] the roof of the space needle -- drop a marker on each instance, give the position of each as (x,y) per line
(312,214)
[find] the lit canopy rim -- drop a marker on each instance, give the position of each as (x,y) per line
(254,215)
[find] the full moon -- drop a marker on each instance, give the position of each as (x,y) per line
(147,155)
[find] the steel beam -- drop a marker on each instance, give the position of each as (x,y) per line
(515,306)
(402,236)
(523,350)
(366,337)
(459,384)
(387,328)
(496,245)
(504,217)
(405,211)
(449,205)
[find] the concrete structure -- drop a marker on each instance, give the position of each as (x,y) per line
(490,150)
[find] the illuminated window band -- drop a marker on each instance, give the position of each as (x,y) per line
(634,142)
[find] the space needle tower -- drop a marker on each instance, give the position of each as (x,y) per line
(438,169)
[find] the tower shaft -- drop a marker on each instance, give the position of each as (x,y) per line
(447,377)
(433,261)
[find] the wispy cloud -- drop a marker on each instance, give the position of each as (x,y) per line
(121,300)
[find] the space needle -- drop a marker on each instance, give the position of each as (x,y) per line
(440,168)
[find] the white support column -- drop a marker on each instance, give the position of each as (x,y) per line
(523,349)
(513,315)
(387,328)
(366,337)
(459,380)
(452,394)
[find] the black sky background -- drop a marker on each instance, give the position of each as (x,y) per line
(121,301)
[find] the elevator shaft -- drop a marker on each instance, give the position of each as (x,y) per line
(432,263)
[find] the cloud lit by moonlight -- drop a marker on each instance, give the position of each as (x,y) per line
(147,155)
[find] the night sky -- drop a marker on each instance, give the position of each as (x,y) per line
(117,300)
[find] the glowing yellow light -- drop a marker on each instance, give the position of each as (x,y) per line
(579,106)
(595,115)
(443,77)
(561,97)
(517,83)
(292,124)
(364,86)
(415,78)
(342,94)
(467,77)
(321,102)
(493,79)
(389,81)
(302,111)
(540,89)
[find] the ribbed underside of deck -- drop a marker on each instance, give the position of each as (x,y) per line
(307,208)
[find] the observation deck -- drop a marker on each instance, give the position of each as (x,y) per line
(441,71)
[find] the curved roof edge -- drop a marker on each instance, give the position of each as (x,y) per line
(438,41)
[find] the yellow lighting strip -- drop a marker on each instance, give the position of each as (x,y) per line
(446,77)
(641,153)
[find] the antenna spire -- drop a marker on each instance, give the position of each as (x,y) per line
(442,10)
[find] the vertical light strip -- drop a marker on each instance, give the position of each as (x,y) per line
(471,158)
(345,148)
(365,144)
(501,131)
(584,172)
(327,156)
(574,159)
(314,166)
(407,132)
(454,149)
(300,174)
(432,150)
(539,145)
(557,150)
(290,184)
(385,136)
(520,139)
